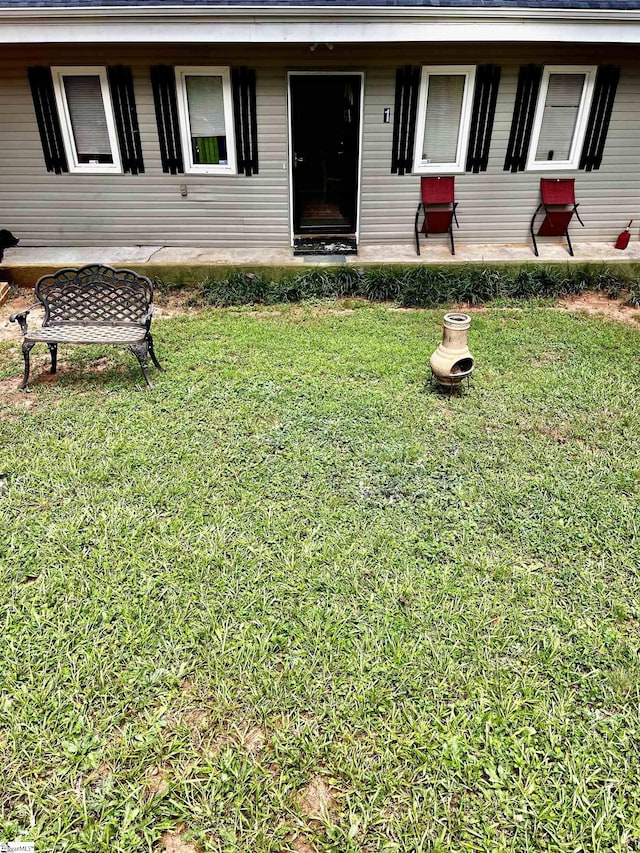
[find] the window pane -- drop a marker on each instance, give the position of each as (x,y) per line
(442,125)
(560,116)
(206,119)
(88,119)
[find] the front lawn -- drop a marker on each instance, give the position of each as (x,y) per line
(293,600)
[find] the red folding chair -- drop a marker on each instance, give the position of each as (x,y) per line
(437,207)
(559,205)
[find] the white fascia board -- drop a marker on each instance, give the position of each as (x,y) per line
(288,25)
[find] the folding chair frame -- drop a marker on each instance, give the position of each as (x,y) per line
(444,208)
(560,210)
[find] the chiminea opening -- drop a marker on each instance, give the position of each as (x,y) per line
(465,365)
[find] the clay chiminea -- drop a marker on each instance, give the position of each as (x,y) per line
(452,362)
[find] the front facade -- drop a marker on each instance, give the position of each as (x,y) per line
(205,130)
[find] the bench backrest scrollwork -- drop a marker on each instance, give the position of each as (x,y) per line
(95,294)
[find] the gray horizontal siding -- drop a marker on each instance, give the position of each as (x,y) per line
(496,206)
(147,209)
(235,211)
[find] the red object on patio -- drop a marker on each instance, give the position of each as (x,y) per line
(438,208)
(559,205)
(624,236)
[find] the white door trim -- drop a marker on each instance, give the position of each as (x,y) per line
(331,73)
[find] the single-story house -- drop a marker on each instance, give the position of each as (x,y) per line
(217,123)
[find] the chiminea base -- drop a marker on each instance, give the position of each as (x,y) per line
(451,387)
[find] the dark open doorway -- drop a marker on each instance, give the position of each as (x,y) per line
(325,124)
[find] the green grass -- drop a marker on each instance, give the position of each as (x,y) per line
(292,561)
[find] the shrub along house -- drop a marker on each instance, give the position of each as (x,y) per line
(212,123)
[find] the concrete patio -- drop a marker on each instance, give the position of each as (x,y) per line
(22,265)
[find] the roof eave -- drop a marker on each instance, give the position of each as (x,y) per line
(295,24)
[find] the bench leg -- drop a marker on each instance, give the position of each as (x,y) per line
(53,349)
(27,346)
(140,351)
(152,353)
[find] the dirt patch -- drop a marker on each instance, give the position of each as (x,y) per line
(472,309)
(301,844)
(249,738)
(173,842)
(599,304)
(10,398)
(252,740)
(102,772)
(546,358)
(103,364)
(45,376)
(266,314)
(11,331)
(175,304)
(99,777)
(332,312)
(556,434)
(156,780)
(316,800)
(199,725)
(197,719)
(204,740)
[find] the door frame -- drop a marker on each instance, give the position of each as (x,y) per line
(326,73)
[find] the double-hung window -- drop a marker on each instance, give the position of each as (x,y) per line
(86,119)
(443,119)
(206,123)
(561,117)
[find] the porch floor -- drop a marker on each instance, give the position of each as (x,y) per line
(433,251)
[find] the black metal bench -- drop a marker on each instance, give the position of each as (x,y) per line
(91,305)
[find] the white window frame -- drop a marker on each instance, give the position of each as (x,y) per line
(58,73)
(423,167)
(573,162)
(224,71)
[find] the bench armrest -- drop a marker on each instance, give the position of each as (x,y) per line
(21,317)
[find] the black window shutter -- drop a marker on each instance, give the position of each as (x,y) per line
(524,111)
(404,119)
(482,116)
(604,93)
(163,83)
(243,82)
(126,118)
(44,102)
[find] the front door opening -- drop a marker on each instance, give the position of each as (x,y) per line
(325,125)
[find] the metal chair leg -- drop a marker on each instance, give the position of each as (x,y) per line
(566,234)
(53,349)
(27,346)
(453,249)
(533,236)
(416,231)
